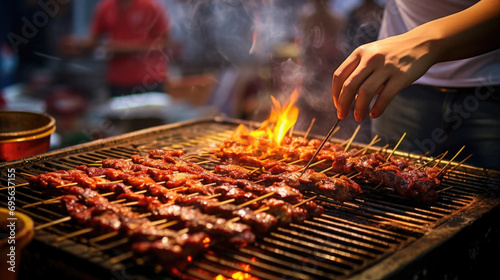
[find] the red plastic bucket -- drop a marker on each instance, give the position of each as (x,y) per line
(24,134)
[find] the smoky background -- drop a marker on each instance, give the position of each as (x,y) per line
(226,55)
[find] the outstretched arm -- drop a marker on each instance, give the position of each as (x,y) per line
(117,48)
(383,68)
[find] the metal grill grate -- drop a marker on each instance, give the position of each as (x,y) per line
(350,237)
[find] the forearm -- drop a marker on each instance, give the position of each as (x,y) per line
(128,48)
(468,33)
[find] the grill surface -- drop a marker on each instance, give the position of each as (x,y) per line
(374,236)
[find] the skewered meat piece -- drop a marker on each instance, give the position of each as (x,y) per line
(261,222)
(233,171)
(286,212)
(412,184)
(168,246)
(173,252)
(281,191)
(234,233)
(413,181)
(228,192)
(285,192)
(339,189)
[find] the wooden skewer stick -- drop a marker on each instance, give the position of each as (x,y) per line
(305,201)
(73,234)
(441,158)
(297,161)
(395,148)
(67,185)
(98,183)
(378,186)
(113,244)
(165,225)
(326,169)
(352,175)
(226,202)
(352,138)
(122,257)
(47,201)
(445,189)
(460,163)
(313,164)
(124,199)
(383,148)
(14,186)
(262,209)
(442,169)
(309,128)
(104,236)
(374,141)
(255,199)
(318,162)
(61,220)
(158,222)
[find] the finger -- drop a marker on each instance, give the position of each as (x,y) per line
(350,89)
(341,74)
(391,88)
(366,92)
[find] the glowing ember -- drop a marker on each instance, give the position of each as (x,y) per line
(239,275)
(236,276)
(242,276)
(206,242)
(282,118)
(246,267)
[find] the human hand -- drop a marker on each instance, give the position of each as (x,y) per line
(379,70)
(71,46)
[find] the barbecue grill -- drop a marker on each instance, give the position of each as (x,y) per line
(378,235)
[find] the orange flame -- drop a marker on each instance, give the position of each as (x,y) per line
(282,117)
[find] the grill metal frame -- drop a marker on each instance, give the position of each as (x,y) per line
(377,236)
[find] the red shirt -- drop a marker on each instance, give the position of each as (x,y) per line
(144,21)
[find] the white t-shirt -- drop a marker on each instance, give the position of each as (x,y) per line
(403,15)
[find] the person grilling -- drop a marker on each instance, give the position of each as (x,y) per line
(434,73)
(137,38)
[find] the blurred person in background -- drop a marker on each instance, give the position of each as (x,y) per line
(363,24)
(134,36)
(320,34)
(434,74)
